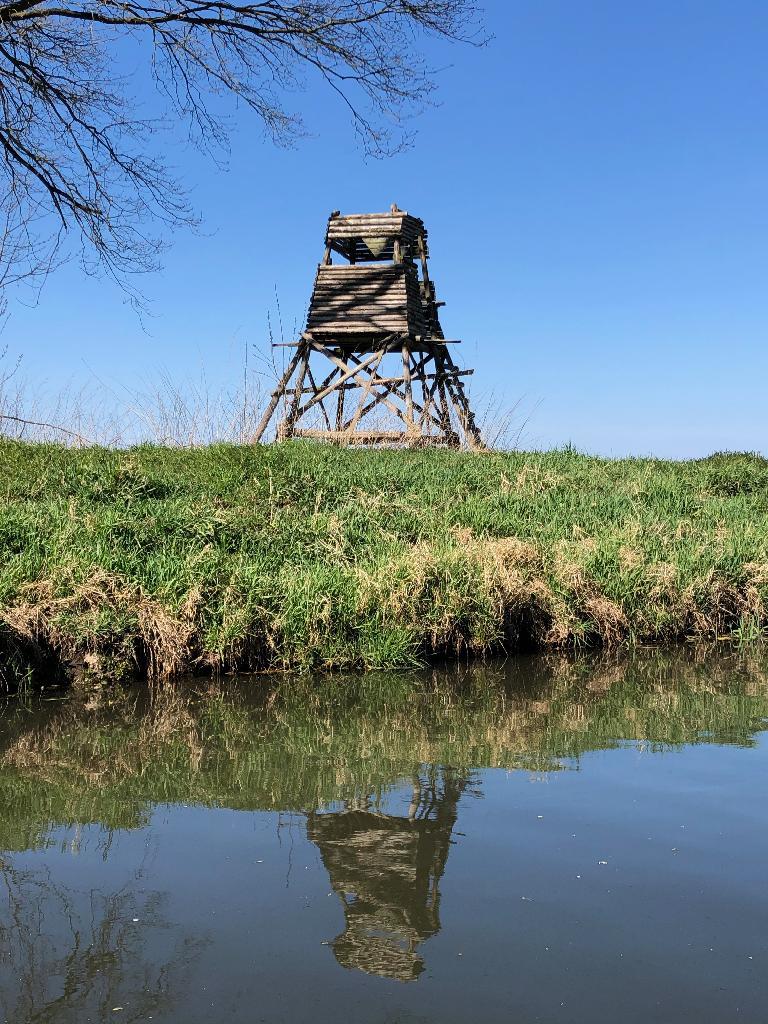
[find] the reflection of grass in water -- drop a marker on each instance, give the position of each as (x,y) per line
(301,745)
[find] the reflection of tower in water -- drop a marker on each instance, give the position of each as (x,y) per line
(386,868)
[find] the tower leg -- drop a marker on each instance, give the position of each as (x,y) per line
(277,394)
(462,406)
(437,412)
(340,409)
(285,427)
(409,424)
(444,414)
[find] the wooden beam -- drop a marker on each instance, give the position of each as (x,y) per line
(463,408)
(275,397)
(391,389)
(366,390)
(315,388)
(390,380)
(284,428)
(364,436)
(408,388)
(347,372)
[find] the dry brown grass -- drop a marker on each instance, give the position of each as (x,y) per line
(160,642)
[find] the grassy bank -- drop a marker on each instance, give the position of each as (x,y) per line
(158,561)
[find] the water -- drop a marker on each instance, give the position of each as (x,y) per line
(545,841)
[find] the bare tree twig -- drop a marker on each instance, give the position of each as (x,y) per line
(49,426)
(76,151)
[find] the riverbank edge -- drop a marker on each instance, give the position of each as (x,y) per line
(153,563)
(36,652)
(34,667)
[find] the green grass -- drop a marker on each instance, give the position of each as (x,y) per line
(156,561)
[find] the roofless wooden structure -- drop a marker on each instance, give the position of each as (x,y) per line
(371,310)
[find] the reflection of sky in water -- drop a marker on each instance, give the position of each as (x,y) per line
(632,888)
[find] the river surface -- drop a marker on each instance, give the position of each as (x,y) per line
(544,840)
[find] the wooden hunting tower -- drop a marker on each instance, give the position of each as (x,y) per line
(372,306)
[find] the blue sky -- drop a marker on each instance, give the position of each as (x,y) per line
(595,186)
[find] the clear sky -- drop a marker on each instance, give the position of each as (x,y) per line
(595,186)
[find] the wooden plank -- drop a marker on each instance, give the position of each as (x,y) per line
(352,289)
(364,436)
(346,313)
(343,313)
(371,325)
(364,218)
(379,279)
(381,226)
(415,339)
(349,293)
(377,302)
(356,220)
(355,286)
(390,380)
(396,297)
(364,315)
(332,270)
(384,305)
(385,327)
(340,404)
(362,272)
(351,310)
(341,318)
(369,316)
(368,227)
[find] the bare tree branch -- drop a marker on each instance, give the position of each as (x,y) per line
(74,146)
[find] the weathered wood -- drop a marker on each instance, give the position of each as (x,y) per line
(362,327)
(414,339)
(456,388)
(347,372)
(364,392)
(379,304)
(314,388)
(391,380)
(366,298)
(340,404)
(408,387)
(391,391)
(284,427)
(360,436)
(276,396)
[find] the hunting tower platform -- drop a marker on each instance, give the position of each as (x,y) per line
(372,309)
